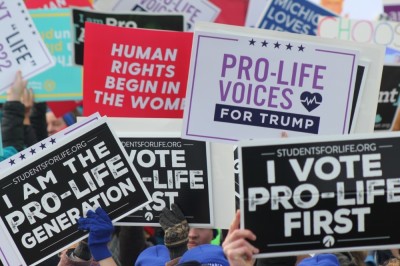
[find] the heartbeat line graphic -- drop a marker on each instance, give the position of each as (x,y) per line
(308,101)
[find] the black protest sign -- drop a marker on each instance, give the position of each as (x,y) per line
(174,22)
(174,170)
(41,201)
(321,196)
(388,98)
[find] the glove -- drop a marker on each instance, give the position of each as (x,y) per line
(176,230)
(100,229)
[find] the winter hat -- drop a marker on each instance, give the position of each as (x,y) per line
(320,260)
(153,256)
(206,254)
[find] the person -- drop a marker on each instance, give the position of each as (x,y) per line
(12,129)
(56,124)
(200,236)
(206,254)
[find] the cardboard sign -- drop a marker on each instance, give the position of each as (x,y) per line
(137,75)
(21,47)
(128,20)
(254,11)
(292,16)
(199,10)
(388,101)
(64,80)
(174,171)
(262,83)
(323,195)
(56,3)
(221,162)
(42,199)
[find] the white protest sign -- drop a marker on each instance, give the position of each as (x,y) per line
(43,197)
(251,83)
(21,47)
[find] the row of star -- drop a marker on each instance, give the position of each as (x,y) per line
(22,156)
(277,45)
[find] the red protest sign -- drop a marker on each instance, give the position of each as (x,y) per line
(31,4)
(131,72)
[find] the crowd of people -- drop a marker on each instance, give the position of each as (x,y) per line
(25,122)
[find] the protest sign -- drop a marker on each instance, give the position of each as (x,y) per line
(137,75)
(361,31)
(323,195)
(220,164)
(364,31)
(56,3)
(392,9)
(42,199)
(261,83)
(292,16)
(388,98)
(128,20)
(64,80)
(254,11)
(21,47)
(200,10)
(174,171)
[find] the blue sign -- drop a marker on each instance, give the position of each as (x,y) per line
(298,16)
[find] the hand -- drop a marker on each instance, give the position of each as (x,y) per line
(236,247)
(175,226)
(27,101)
(17,89)
(100,229)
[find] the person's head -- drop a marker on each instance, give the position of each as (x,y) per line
(320,260)
(156,256)
(206,254)
(200,236)
(55,124)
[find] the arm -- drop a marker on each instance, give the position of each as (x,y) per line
(12,128)
(236,247)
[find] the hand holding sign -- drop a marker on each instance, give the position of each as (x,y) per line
(101,228)
(237,251)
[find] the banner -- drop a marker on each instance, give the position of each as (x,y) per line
(64,80)
(292,16)
(199,10)
(173,22)
(174,171)
(137,75)
(21,47)
(42,199)
(32,4)
(323,195)
(259,85)
(388,101)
